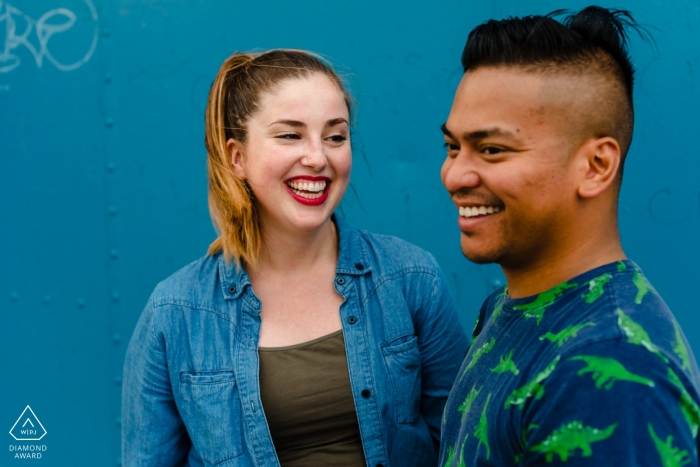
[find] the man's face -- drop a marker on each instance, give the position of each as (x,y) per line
(507,168)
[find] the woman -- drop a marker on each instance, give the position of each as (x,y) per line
(297,341)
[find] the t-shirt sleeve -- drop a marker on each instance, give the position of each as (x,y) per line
(612,403)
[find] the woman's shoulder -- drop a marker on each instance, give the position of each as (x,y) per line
(192,284)
(390,253)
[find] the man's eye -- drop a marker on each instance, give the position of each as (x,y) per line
(451,147)
(491,150)
(289,136)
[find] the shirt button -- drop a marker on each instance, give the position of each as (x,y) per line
(232,289)
(359,267)
(365,393)
(352,320)
(340,281)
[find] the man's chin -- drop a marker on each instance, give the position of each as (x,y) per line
(480,255)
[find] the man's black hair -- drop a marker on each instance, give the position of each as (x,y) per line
(594,35)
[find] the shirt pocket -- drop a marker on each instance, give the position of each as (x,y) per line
(404,366)
(212,414)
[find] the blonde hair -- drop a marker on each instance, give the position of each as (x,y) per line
(233,98)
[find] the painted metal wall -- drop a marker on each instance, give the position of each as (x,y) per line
(102,169)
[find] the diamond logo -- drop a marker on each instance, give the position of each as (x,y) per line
(28,427)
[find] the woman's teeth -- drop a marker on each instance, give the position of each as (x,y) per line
(310,190)
(474,211)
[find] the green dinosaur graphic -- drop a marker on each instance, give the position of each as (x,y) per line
(478,353)
(636,334)
(468,401)
(536,308)
(621,266)
(506,364)
(608,371)
(482,430)
(461,462)
(500,300)
(680,349)
(476,325)
(450,456)
(670,456)
(564,441)
(565,334)
(689,409)
(523,436)
(532,388)
(595,288)
(643,286)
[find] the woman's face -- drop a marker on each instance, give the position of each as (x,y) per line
(297,158)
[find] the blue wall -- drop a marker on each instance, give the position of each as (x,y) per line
(102,168)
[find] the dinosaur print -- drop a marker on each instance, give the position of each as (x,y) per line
(595,288)
(636,334)
(608,371)
(565,334)
(532,388)
(680,349)
(500,300)
(476,325)
(621,266)
(482,430)
(461,462)
(450,456)
(570,437)
(643,286)
(536,308)
(689,409)
(478,353)
(506,364)
(468,401)
(670,456)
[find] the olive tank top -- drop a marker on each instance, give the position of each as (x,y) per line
(307,400)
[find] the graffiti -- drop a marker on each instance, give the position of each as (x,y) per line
(52,22)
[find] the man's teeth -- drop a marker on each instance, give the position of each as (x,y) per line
(310,190)
(474,211)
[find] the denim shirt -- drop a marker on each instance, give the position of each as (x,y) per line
(191,393)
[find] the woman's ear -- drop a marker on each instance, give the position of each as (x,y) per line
(235,153)
(601,161)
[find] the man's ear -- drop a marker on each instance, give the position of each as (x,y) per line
(235,153)
(600,163)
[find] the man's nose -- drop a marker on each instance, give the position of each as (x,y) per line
(459,172)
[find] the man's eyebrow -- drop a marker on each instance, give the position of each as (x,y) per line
(489,132)
(445,131)
(294,123)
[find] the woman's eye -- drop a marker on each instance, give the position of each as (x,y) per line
(289,136)
(338,138)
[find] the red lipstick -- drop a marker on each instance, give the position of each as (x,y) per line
(309,201)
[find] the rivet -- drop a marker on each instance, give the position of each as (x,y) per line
(119,461)
(106,33)
(112,210)
(232,289)
(14,296)
(109,122)
(118,420)
(113,253)
(111,166)
(496,283)
(81,303)
(47,299)
(115,297)
(340,281)
(352,320)
(116,338)
(118,380)
(108,78)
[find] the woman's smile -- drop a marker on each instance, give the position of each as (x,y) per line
(309,190)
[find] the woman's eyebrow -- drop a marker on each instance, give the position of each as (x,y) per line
(294,123)
(336,121)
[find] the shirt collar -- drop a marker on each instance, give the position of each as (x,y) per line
(352,260)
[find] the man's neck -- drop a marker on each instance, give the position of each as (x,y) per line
(554,268)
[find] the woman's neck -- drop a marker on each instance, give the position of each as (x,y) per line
(291,251)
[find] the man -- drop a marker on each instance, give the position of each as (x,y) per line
(577,360)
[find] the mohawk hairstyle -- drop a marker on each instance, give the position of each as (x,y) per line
(594,38)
